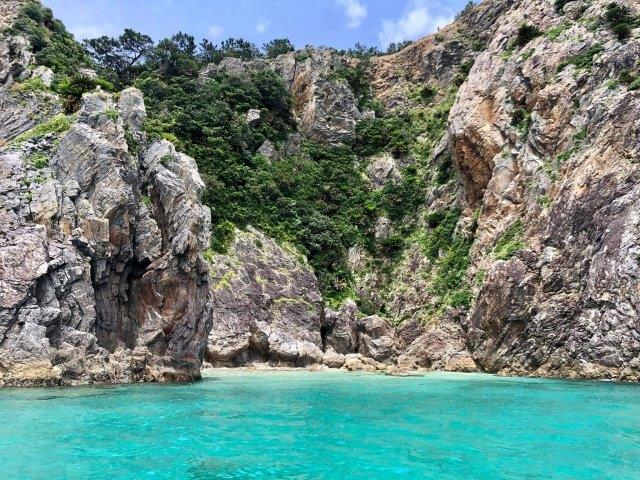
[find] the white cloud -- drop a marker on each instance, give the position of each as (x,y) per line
(215,31)
(82,32)
(355,11)
(262,26)
(415,22)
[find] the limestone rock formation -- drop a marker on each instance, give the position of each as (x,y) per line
(266,305)
(101,276)
(519,256)
(565,305)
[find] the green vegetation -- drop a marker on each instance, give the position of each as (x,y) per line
(449,254)
(58,124)
(417,132)
(510,242)
(319,200)
(132,144)
(121,58)
(357,76)
(463,72)
(582,61)
(522,120)
(112,114)
(52,45)
(33,84)
(72,87)
(545,201)
(559,4)
(277,47)
(222,236)
(619,20)
(526,33)
(555,32)
(38,160)
(425,94)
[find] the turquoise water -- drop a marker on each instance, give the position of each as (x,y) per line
(301,425)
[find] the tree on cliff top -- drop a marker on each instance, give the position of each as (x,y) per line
(121,57)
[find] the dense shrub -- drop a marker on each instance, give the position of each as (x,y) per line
(52,45)
(318,200)
(559,4)
(71,89)
(449,254)
(277,47)
(526,33)
(619,20)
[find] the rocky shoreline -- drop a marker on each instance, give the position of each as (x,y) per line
(519,144)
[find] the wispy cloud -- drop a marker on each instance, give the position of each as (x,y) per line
(82,32)
(355,11)
(416,21)
(215,31)
(261,26)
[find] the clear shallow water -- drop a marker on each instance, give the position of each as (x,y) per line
(301,425)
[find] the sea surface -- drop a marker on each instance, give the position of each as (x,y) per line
(324,425)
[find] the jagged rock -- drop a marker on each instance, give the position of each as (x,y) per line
(442,346)
(332,359)
(91,291)
(45,75)
(229,65)
(339,328)
(131,106)
(356,362)
(253,116)
(376,339)
(88,73)
(565,304)
(268,150)
(382,170)
(324,105)
(15,57)
(383,228)
(266,305)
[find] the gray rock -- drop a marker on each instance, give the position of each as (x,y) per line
(45,74)
(332,359)
(90,290)
(268,150)
(382,170)
(376,339)
(253,116)
(266,305)
(132,109)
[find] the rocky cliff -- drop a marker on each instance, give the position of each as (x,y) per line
(503,149)
(542,141)
(101,277)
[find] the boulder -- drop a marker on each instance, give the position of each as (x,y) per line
(267,305)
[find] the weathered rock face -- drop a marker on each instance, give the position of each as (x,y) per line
(101,273)
(566,304)
(324,105)
(266,305)
(9,10)
(102,278)
(544,142)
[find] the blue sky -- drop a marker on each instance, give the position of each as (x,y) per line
(335,23)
